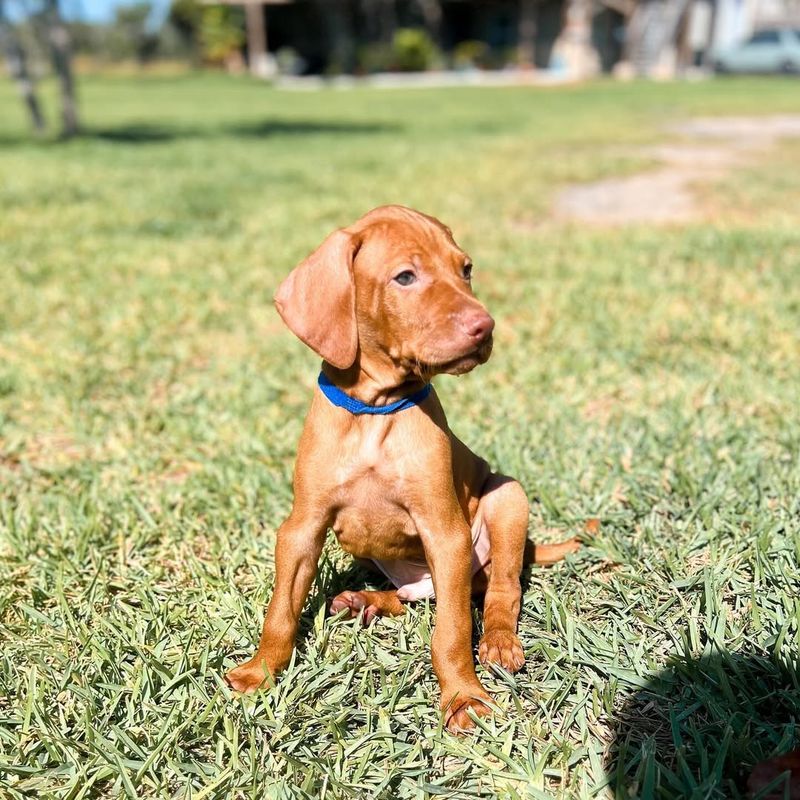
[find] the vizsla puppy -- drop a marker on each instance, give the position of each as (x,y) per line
(387,304)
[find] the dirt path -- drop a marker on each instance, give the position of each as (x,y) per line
(706,148)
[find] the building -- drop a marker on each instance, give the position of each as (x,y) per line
(577,37)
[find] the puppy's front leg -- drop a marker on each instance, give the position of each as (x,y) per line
(448,551)
(297,552)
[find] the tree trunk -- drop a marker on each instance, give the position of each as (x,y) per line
(17,62)
(387,16)
(432,14)
(58,40)
(574,44)
(527,33)
(257,56)
(342,43)
(651,31)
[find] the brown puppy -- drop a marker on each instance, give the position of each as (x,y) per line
(387,303)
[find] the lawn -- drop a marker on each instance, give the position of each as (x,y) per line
(151,401)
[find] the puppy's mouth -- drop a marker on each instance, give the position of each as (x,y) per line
(458,365)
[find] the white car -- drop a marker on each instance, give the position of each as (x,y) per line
(767,51)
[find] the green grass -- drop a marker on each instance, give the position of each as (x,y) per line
(150,404)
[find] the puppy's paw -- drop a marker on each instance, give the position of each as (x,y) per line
(248,677)
(354,603)
(503,648)
(456,715)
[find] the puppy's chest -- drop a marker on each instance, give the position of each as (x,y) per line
(376,483)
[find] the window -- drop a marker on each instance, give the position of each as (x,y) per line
(765,37)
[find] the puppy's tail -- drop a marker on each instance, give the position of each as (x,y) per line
(549,553)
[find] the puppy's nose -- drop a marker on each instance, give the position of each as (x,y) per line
(477,325)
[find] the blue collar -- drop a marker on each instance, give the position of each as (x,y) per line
(339,398)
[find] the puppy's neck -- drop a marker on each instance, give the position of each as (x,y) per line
(371,384)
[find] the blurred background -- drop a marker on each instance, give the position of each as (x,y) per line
(632,207)
(472,40)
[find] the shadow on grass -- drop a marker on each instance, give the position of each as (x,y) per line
(155,133)
(697,729)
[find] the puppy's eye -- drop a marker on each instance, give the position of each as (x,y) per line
(467,272)
(405,278)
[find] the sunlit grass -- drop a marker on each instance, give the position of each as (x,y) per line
(150,403)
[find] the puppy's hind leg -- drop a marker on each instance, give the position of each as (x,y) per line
(373,604)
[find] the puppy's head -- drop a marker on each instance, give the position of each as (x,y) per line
(392,289)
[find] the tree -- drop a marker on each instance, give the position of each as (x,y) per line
(130,34)
(50,27)
(17,62)
(60,54)
(432,14)
(527,33)
(221,33)
(651,31)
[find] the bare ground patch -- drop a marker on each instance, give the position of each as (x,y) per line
(704,150)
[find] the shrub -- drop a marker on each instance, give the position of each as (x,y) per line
(470,53)
(221,33)
(413,50)
(375,57)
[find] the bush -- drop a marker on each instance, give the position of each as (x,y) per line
(290,62)
(375,57)
(413,50)
(469,54)
(221,33)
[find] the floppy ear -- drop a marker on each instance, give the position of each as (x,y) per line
(317,301)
